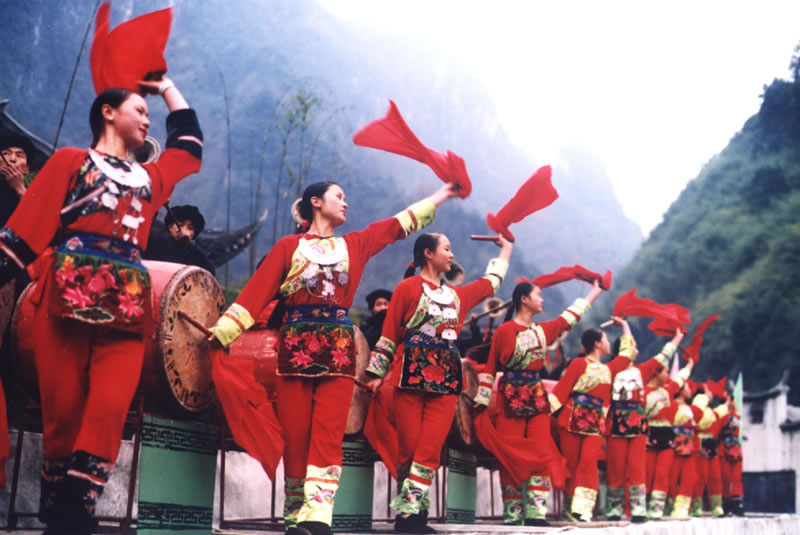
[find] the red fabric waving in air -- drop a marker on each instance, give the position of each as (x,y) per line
(717,388)
(122,57)
(251,417)
(693,351)
(566,273)
(536,193)
(392,134)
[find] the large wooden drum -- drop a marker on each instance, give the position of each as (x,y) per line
(261,346)
(176,373)
(462,431)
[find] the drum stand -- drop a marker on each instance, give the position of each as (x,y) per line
(32,414)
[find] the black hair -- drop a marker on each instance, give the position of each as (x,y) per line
(589,338)
(520,290)
(184,212)
(317,189)
(616,346)
(114,97)
(426,241)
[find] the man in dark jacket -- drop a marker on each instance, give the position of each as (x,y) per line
(176,245)
(378,302)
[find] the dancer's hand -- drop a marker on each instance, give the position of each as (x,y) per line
(375,384)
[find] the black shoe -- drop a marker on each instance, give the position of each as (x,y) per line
(314,528)
(294,530)
(540,522)
(417,523)
(638,519)
(737,506)
(614,518)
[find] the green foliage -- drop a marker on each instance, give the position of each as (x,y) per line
(731,245)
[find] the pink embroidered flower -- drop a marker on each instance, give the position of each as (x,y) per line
(313,344)
(340,358)
(130,306)
(74,243)
(516,403)
(541,403)
(634,419)
(524,392)
(77,297)
(292,340)
(300,359)
(433,374)
(64,276)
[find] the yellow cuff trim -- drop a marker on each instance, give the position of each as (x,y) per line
(485,384)
(555,404)
(626,346)
(417,216)
(233,322)
(496,271)
(579,308)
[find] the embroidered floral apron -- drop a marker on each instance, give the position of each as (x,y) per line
(431,360)
(660,437)
(524,394)
(684,440)
(627,410)
(587,414)
(317,340)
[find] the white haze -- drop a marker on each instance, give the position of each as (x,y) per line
(654,90)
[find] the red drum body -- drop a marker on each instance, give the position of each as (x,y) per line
(176,373)
(462,431)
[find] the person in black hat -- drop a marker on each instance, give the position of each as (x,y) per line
(183,223)
(378,302)
(15,172)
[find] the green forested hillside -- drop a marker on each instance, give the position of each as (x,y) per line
(730,244)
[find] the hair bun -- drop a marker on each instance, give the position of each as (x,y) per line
(295,211)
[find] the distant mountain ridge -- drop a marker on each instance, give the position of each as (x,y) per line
(266,49)
(730,244)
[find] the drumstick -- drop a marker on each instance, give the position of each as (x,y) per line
(195,323)
(606,324)
(477,237)
(361,384)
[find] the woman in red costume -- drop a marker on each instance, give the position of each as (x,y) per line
(660,408)
(519,349)
(683,472)
(317,274)
(584,394)
(707,461)
(626,442)
(422,324)
(730,453)
(82,226)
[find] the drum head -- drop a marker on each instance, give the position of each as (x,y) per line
(462,432)
(181,352)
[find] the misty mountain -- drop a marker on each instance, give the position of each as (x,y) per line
(259,56)
(730,244)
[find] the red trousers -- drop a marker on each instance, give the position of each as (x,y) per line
(731,478)
(582,453)
(658,469)
(625,461)
(422,421)
(313,415)
(87,378)
(708,476)
(682,476)
(521,427)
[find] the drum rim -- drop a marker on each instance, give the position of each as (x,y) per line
(165,385)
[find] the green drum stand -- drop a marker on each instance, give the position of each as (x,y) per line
(461,487)
(176,477)
(352,509)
